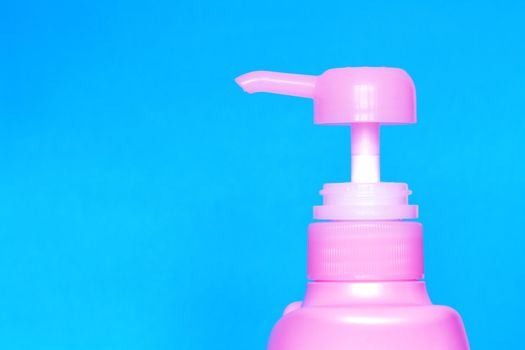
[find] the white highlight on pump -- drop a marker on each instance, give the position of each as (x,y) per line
(365,152)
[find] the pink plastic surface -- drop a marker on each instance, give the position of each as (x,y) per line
(365,251)
(368,316)
(345,96)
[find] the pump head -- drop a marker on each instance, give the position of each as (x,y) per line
(363,98)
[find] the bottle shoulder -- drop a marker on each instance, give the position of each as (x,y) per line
(370,327)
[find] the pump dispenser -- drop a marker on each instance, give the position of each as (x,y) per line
(365,263)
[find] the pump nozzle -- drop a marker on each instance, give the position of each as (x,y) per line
(364,98)
(278,83)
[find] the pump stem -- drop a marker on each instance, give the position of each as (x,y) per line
(365,152)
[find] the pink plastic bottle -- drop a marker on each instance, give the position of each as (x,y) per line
(365,263)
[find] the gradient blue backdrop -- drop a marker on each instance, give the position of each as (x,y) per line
(147,203)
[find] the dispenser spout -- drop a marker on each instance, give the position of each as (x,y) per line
(364,98)
(278,83)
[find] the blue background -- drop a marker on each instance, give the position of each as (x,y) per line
(148,203)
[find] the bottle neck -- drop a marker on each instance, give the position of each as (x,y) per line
(366,293)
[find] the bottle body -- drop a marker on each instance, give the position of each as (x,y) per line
(368,316)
